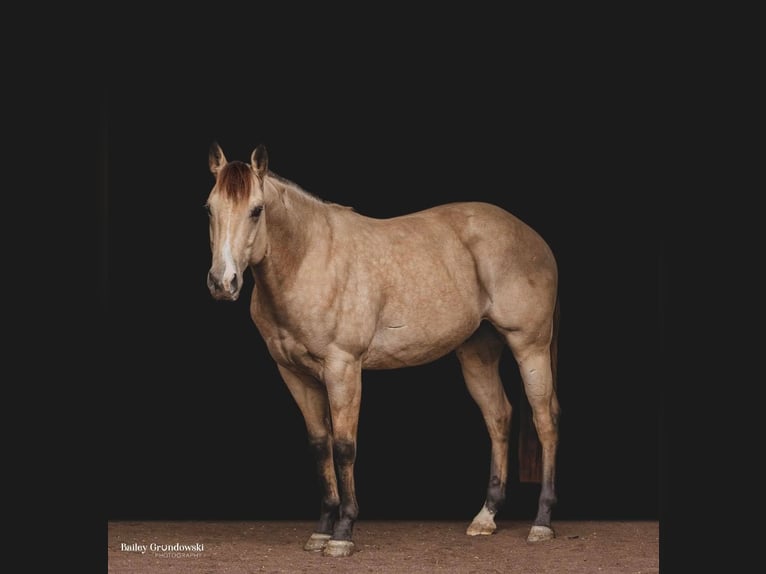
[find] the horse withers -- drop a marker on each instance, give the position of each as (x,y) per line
(336,292)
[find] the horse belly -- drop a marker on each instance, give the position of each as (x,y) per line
(432,300)
(420,337)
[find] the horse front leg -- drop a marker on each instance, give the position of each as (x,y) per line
(343,379)
(311,397)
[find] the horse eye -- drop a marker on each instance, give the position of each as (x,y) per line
(207,209)
(256,211)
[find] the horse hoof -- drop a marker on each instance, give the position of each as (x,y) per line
(483,524)
(540,533)
(338,548)
(317,542)
(481,528)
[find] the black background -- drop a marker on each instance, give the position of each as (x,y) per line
(198,423)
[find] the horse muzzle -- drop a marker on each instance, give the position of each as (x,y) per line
(224,289)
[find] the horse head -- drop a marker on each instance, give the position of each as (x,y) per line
(237,219)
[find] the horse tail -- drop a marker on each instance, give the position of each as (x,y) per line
(530,450)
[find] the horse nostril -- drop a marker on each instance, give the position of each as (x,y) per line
(212,281)
(234,283)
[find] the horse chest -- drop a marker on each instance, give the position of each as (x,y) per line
(288,348)
(290,352)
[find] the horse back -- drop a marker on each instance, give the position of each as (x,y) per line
(503,249)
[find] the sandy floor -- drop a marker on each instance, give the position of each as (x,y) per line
(382,547)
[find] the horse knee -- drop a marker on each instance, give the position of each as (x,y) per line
(320,447)
(344,452)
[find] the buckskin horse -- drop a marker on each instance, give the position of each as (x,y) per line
(336,292)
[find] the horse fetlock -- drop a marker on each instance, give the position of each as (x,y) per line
(350,511)
(344,529)
(495,495)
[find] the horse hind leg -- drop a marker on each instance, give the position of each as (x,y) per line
(538,376)
(479,359)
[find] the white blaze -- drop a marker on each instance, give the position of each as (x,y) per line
(229,267)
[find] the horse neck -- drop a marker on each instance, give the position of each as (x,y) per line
(296,224)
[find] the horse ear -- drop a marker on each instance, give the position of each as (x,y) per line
(216,159)
(259,160)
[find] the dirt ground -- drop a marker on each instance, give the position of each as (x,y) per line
(382,547)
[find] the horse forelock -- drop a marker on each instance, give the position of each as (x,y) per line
(234,180)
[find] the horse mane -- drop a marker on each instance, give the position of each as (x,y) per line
(235,179)
(288,184)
